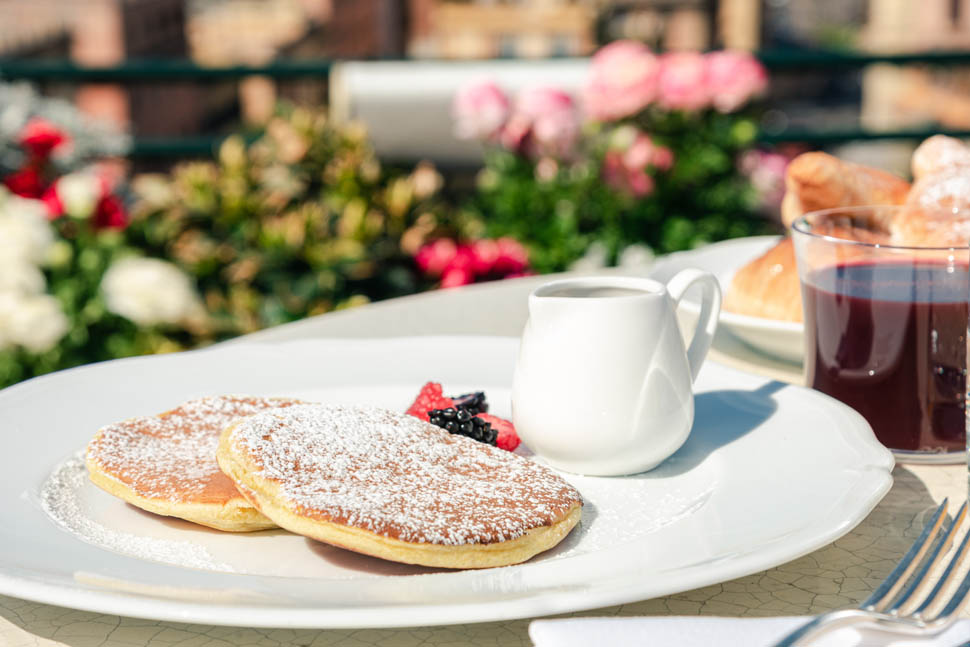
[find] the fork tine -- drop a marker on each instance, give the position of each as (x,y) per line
(887,589)
(920,580)
(960,594)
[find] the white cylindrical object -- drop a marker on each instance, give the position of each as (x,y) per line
(406,105)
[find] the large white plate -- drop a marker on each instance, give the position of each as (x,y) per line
(769,473)
(783,339)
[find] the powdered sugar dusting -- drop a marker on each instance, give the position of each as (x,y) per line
(398,476)
(173,456)
(60,499)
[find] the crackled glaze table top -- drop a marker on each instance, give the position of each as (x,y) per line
(840,574)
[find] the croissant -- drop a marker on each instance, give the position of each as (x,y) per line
(939,153)
(816,181)
(768,286)
(937,212)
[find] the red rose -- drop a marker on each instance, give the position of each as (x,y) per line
(484,254)
(55,208)
(513,257)
(434,258)
(40,137)
(26,182)
(110,213)
(456,277)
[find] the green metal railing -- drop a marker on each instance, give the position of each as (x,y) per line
(137,70)
(153,70)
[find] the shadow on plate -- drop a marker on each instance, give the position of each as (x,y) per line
(365,563)
(720,418)
(189,527)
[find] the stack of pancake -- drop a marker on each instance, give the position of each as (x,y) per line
(369,480)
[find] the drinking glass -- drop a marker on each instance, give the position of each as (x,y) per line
(886,328)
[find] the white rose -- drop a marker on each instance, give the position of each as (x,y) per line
(79,193)
(34,321)
(19,276)
(149,291)
(636,255)
(9,301)
(594,258)
(25,233)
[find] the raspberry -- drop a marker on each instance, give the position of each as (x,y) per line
(507,438)
(430,397)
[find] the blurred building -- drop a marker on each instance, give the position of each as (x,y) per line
(489,29)
(108,32)
(34,29)
(896,97)
(210,32)
(366,29)
(543,28)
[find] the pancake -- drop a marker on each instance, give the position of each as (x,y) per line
(166,464)
(396,487)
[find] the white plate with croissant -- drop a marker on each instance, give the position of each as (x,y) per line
(772,335)
(759,276)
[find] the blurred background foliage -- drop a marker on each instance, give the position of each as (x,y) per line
(302,221)
(302,218)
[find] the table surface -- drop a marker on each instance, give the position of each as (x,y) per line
(840,574)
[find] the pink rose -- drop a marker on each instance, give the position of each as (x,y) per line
(623,80)
(456,277)
(546,169)
(513,257)
(734,77)
(544,121)
(460,270)
(464,259)
(617,175)
(479,110)
(627,162)
(434,257)
(683,81)
(464,263)
(503,257)
(638,150)
(640,153)
(484,253)
(663,158)
(766,171)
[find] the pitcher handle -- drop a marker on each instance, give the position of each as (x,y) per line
(700,343)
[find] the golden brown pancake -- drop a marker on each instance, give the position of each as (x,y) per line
(393,486)
(166,464)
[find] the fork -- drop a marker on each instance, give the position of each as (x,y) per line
(905,610)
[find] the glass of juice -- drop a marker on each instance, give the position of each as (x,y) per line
(886,327)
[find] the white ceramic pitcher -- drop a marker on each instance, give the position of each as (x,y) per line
(603,384)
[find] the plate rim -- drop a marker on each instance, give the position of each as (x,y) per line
(567,599)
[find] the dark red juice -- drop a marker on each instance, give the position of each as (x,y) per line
(889,339)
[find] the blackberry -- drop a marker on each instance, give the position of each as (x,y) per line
(460,421)
(474,403)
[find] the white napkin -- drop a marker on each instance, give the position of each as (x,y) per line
(707,631)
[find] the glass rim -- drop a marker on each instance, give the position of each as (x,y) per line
(805,230)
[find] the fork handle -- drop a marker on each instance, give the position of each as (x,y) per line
(824,623)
